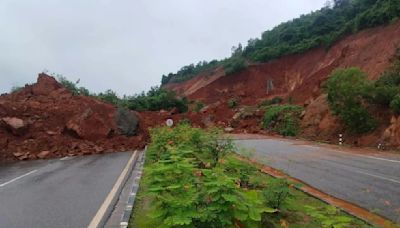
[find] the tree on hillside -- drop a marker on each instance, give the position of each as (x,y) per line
(347,89)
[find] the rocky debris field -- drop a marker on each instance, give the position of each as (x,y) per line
(45,120)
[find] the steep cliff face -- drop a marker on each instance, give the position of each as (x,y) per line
(300,77)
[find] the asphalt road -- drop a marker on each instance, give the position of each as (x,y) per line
(57,193)
(371,181)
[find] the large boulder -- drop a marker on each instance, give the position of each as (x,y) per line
(127,121)
(15,125)
(89,125)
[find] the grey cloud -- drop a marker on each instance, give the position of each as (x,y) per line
(127,45)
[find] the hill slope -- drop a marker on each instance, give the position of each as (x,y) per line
(299,78)
(300,75)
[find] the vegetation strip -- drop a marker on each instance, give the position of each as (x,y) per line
(350,208)
(192,178)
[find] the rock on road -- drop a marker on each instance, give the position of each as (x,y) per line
(57,193)
(369,180)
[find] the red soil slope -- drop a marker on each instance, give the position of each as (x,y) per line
(301,76)
(196,83)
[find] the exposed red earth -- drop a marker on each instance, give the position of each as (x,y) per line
(45,120)
(300,77)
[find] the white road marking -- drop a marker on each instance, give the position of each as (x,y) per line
(377,176)
(378,158)
(107,202)
(17,178)
(365,156)
(359,155)
(66,158)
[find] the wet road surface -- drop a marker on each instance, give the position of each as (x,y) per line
(57,193)
(368,180)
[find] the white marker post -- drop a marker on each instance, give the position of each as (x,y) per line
(169,122)
(340,139)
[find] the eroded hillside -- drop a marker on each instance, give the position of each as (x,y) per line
(299,79)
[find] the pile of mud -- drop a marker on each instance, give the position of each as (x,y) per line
(45,120)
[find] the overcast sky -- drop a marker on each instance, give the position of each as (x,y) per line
(126,45)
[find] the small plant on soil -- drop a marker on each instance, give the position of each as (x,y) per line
(283,119)
(275,100)
(276,193)
(198,105)
(233,102)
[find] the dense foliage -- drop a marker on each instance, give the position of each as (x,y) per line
(154,100)
(189,71)
(71,86)
(347,89)
(350,94)
(284,119)
(320,28)
(234,65)
(386,90)
(190,180)
(395,104)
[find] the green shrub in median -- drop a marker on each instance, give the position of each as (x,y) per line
(283,119)
(188,181)
(191,179)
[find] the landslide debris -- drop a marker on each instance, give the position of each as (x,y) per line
(44,120)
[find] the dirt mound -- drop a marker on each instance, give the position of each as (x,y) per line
(45,120)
